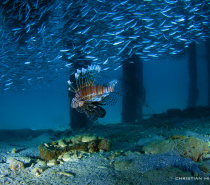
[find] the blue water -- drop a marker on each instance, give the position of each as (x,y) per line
(43,43)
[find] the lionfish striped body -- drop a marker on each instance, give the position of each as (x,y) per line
(89,95)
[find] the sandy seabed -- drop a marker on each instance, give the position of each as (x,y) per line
(124,164)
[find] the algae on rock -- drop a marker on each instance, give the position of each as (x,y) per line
(190,147)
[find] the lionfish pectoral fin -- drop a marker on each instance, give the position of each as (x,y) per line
(95,113)
(79,110)
(110,100)
(102,112)
(91,115)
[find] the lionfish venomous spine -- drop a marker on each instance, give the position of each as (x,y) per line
(88,94)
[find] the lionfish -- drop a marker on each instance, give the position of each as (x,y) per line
(89,95)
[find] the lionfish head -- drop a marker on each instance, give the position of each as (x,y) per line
(89,94)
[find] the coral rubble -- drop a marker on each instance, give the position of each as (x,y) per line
(86,143)
(16,165)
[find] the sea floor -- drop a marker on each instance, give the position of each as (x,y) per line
(126,163)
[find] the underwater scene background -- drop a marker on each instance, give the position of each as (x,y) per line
(104,92)
(47,106)
(44,42)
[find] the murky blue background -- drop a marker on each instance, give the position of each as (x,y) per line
(165,81)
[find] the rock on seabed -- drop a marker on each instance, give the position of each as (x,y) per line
(190,147)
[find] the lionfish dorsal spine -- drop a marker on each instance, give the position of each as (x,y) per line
(84,77)
(87,76)
(71,87)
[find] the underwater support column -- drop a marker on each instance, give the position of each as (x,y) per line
(132,103)
(208,67)
(192,67)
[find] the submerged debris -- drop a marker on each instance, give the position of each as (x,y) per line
(38,171)
(86,143)
(52,162)
(68,174)
(16,165)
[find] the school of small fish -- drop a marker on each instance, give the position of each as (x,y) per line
(44,40)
